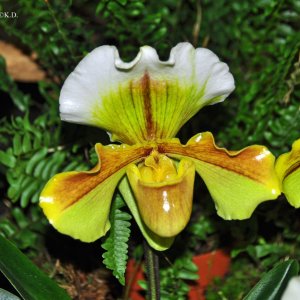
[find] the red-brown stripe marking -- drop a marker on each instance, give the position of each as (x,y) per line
(69,190)
(241,162)
(294,167)
(146,92)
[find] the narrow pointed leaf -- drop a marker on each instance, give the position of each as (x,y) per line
(27,279)
(273,284)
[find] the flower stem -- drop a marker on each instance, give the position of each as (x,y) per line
(152,269)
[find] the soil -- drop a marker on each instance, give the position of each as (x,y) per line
(81,285)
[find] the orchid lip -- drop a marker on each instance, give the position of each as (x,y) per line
(164,195)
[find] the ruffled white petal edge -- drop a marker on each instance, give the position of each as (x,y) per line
(292,291)
(199,71)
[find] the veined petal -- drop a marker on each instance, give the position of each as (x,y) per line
(155,241)
(78,203)
(288,170)
(163,194)
(237,180)
(146,98)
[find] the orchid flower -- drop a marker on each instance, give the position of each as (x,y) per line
(288,170)
(143,104)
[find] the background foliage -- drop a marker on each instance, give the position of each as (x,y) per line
(259,40)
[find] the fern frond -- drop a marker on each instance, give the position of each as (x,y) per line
(116,243)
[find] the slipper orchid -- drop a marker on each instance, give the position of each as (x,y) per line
(143,104)
(288,170)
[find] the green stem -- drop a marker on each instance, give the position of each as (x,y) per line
(152,269)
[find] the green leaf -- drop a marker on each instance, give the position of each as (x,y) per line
(29,191)
(26,147)
(187,275)
(5,295)
(143,284)
(116,244)
(20,217)
(6,228)
(7,159)
(17,144)
(35,159)
(27,279)
(273,284)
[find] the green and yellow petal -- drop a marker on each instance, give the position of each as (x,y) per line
(145,99)
(288,170)
(78,203)
(238,181)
